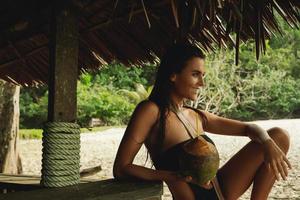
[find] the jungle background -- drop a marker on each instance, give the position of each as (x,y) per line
(252,90)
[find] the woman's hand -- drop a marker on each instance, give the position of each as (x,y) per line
(170,176)
(190,179)
(275,159)
(173,176)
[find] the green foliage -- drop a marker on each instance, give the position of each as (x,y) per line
(148,73)
(33,107)
(286,47)
(252,90)
(140,93)
(31,133)
(112,93)
(119,76)
(100,102)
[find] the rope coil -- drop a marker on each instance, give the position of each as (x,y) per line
(61,154)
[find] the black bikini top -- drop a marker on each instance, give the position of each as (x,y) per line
(168,159)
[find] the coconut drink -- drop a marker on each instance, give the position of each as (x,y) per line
(200,160)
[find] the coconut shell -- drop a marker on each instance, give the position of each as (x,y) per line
(199,159)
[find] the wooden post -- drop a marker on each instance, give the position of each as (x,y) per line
(63,71)
(62,85)
(10,161)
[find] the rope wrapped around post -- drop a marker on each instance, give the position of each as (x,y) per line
(61,154)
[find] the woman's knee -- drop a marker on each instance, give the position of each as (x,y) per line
(281,137)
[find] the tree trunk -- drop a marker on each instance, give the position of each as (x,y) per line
(10,161)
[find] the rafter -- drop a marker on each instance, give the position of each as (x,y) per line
(109,21)
(24,56)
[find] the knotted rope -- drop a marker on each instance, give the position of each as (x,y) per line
(61,154)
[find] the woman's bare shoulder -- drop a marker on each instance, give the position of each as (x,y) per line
(197,111)
(146,113)
(144,117)
(148,107)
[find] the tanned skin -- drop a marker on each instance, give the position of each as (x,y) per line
(257,163)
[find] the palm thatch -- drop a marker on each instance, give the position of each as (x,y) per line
(133,31)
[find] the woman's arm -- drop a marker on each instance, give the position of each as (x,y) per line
(273,155)
(224,126)
(141,122)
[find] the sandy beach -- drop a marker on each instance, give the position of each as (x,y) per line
(100,149)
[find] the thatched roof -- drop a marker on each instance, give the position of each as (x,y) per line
(133,31)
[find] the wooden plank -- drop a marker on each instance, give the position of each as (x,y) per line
(110,189)
(19,179)
(30,179)
(10,182)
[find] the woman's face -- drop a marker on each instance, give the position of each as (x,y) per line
(188,82)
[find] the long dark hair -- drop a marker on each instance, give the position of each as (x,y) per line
(173,62)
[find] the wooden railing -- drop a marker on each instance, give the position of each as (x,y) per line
(27,187)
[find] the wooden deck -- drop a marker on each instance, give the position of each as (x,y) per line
(27,187)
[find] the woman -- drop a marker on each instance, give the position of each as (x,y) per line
(155,124)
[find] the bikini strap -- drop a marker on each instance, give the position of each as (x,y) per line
(218,190)
(190,129)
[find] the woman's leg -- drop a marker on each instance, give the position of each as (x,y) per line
(247,166)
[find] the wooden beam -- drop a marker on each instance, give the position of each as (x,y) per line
(109,21)
(24,56)
(23,60)
(63,60)
(16,52)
